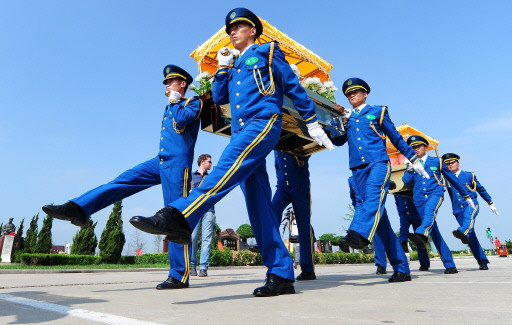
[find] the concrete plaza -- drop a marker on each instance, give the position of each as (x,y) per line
(342,294)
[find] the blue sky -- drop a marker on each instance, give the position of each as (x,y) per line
(81,97)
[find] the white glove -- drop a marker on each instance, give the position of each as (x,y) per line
(346,113)
(174,96)
(418,168)
(225,56)
(494,210)
(471,203)
(318,134)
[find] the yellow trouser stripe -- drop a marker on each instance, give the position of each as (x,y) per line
(187,264)
(382,195)
(185,181)
(472,224)
(232,170)
(427,230)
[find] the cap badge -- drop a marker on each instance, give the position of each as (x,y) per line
(349,82)
(167,70)
(232,15)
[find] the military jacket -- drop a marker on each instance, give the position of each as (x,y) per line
(255,86)
(472,185)
(366,135)
(180,126)
(291,170)
(436,184)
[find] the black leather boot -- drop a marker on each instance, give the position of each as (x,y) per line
(168,221)
(68,211)
(274,285)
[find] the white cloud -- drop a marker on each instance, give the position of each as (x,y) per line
(499,124)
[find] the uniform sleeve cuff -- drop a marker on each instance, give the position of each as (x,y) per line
(310,119)
(413,159)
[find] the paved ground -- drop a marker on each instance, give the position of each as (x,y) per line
(342,294)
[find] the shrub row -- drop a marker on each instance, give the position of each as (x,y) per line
(217,258)
(58,259)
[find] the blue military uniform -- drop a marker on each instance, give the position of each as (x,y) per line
(464,214)
(254,86)
(409,216)
(293,187)
(366,132)
(382,245)
(428,193)
(171,168)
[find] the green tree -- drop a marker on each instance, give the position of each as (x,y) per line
(18,243)
(44,239)
(349,215)
(245,231)
(31,238)
(85,241)
(112,238)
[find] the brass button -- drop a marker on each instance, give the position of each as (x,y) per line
(238,70)
(238,94)
(240,120)
(242,124)
(237,106)
(357,129)
(238,82)
(162,149)
(161,138)
(360,147)
(163,128)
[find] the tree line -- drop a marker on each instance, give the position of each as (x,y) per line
(110,246)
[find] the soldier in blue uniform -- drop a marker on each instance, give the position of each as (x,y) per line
(171,168)
(428,193)
(378,246)
(409,216)
(464,213)
(383,243)
(293,187)
(367,127)
(254,86)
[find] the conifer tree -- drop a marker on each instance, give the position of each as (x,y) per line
(85,241)
(112,238)
(18,239)
(31,238)
(44,239)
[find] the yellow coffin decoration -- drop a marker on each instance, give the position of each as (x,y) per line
(406,131)
(308,63)
(397,160)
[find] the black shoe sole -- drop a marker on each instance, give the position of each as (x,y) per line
(173,236)
(74,220)
(395,280)
(463,238)
(417,240)
(306,278)
(158,287)
(284,291)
